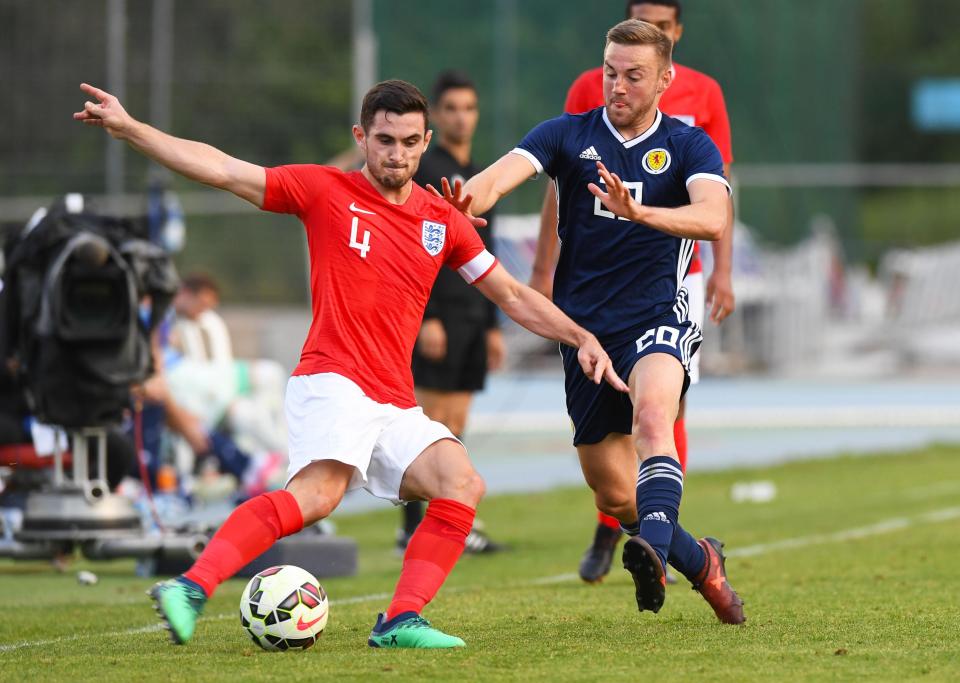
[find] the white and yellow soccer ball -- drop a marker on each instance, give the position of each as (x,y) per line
(284,608)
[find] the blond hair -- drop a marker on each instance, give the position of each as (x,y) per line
(636,32)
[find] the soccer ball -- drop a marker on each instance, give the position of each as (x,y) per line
(284,608)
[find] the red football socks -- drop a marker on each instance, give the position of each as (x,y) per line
(607,520)
(433,551)
(680,438)
(249,531)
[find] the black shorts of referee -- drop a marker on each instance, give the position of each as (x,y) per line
(464,368)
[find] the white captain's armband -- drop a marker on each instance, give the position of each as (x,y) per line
(478,267)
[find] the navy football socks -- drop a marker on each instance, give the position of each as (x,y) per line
(659,489)
(686,555)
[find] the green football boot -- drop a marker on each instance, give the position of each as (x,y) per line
(409,629)
(179,606)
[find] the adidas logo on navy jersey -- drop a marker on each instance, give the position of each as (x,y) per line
(590,153)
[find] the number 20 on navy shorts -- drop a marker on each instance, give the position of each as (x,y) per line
(598,409)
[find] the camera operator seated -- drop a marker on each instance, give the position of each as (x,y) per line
(246,395)
(163,409)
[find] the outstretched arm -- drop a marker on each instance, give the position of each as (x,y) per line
(545,258)
(194,160)
(486,188)
(534,312)
(704,218)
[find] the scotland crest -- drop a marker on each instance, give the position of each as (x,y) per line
(433,236)
(656,161)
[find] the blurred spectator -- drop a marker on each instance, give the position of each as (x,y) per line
(245,394)
(213,405)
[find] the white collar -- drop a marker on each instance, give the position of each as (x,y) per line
(632,141)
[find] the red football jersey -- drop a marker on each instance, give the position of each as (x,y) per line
(372,266)
(693,97)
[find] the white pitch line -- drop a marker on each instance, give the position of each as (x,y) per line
(80,636)
(882,527)
(942,488)
(942,515)
(362,598)
(557,578)
(159,627)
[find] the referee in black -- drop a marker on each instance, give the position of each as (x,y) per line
(459,339)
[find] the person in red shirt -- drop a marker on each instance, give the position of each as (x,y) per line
(376,242)
(696,99)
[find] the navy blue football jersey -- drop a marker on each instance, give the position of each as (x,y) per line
(615,276)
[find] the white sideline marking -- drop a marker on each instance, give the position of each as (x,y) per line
(942,488)
(941,515)
(883,527)
(158,627)
(80,636)
(557,578)
(362,598)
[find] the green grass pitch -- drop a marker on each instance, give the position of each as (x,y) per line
(851,573)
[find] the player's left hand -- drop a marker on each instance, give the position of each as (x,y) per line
(460,201)
(496,350)
(720,296)
(597,365)
(617,198)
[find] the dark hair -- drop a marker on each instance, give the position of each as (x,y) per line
(675,4)
(393,96)
(199,282)
(451,80)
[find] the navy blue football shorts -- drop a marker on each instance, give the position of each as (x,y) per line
(598,409)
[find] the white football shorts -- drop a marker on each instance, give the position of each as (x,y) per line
(330,418)
(695,286)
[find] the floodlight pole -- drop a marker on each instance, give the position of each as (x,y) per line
(116,85)
(364,53)
(161,72)
(505,67)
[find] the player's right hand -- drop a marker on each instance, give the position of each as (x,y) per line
(617,198)
(460,201)
(597,365)
(432,340)
(109,114)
